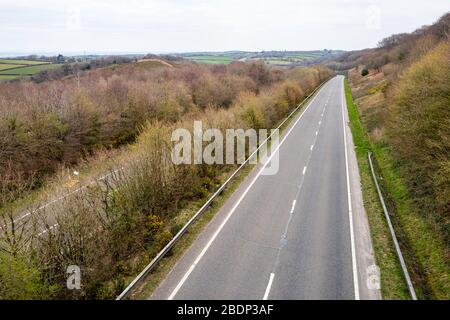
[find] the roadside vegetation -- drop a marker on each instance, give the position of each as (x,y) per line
(115,226)
(403,102)
(393,285)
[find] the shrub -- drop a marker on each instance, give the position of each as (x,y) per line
(364,72)
(21,280)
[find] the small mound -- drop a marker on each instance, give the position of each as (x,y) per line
(154,63)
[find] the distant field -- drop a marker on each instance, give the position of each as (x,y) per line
(211,59)
(30,70)
(4,66)
(269,57)
(3,77)
(13,68)
(22,62)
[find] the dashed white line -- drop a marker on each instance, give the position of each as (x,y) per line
(304,170)
(320,122)
(312,147)
(47,230)
(64,196)
(293,206)
(269,285)
(317,132)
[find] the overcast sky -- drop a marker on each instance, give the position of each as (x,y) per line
(39,26)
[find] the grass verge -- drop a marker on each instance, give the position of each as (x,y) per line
(423,252)
(392,283)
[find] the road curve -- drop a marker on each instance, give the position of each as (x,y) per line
(299,234)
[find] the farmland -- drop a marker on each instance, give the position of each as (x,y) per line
(13,68)
(6,66)
(23,62)
(279,58)
(211,59)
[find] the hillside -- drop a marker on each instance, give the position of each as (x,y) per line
(402,90)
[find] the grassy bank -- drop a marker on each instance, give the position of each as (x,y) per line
(424,253)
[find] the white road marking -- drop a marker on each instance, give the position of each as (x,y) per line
(293,206)
(312,147)
(320,122)
(47,230)
(174,292)
(349,201)
(269,285)
(317,132)
(64,196)
(304,170)
(202,253)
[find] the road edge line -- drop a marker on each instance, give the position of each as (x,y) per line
(349,201)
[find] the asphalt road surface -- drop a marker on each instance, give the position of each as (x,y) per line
(299,234)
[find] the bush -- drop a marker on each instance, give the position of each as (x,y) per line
(364,72)
(21,280)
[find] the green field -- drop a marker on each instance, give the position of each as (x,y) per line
(211,59)
(30,70)
(14,69)
(4,66)
(22,62)
(4,78)
(270,57)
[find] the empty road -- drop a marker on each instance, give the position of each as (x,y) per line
(299,234)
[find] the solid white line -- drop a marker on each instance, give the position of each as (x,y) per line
(65,196)
(304,170)
(293,206)
(202,253)
(269,285)
(174,292)
(349,200)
